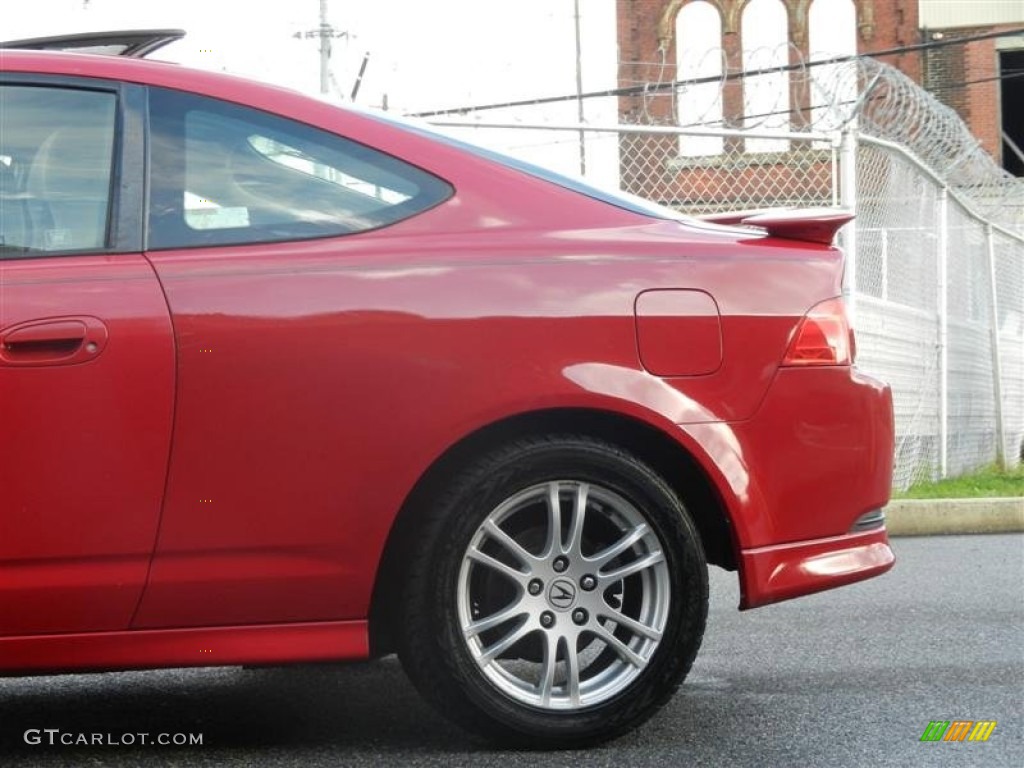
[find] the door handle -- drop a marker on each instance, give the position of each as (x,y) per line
(53,341)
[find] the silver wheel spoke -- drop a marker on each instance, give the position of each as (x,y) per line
(573,658)
(547,681)
(506,642)
(511,546)
(640,564)
(616,549)
(619,647)
(579,517)
(487,561)
(494,620)
(637,627)
(554,542)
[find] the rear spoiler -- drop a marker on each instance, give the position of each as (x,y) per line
(814,225)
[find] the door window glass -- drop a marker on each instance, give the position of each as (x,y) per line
(56,152)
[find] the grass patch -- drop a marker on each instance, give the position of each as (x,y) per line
(990,481)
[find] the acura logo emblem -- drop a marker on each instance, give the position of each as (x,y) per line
(562,594)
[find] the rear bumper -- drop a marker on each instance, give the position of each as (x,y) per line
(782,571)
(804,481)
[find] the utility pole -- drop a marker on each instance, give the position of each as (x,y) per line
(325,48)
(325,32)
(579,87)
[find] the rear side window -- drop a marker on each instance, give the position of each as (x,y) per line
(56,154)
(224,174)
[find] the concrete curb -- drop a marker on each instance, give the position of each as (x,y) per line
(927,517)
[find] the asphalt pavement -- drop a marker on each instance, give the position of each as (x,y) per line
(850,677)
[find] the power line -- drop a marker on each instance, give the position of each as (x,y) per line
(637,90)
(965,83)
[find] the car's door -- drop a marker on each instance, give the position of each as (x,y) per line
(259,230)
(86,358)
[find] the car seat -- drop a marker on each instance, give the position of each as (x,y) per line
(68,189)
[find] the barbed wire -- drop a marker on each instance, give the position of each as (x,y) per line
(893,107)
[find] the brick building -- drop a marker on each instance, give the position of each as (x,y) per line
(982,80)
(977,79)
(649,30)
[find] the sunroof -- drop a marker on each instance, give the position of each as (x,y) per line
(132,43)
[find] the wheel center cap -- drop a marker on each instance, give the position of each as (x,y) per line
(562,594)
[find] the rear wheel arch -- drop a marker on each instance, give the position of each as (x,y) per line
(666,456)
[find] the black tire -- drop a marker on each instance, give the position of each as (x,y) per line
(438,657)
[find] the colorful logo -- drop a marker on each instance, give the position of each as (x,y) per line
(958,730)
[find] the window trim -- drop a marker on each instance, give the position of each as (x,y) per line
(126,204)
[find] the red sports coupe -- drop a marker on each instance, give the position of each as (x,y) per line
(282,381)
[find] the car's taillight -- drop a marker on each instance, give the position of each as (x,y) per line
(823,337)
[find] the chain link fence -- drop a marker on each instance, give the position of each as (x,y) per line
(940,302)
(935,256)
(659,168)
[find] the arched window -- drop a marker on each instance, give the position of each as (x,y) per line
(699,56)
(765,97)
(833,32)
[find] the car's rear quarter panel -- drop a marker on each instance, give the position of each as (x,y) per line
(374,354)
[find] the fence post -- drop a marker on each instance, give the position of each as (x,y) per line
(943,317)
(997,362)
(884,243)
(848,199)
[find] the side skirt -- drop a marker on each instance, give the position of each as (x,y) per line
(194,647)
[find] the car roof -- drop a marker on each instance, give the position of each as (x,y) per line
(135,43)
